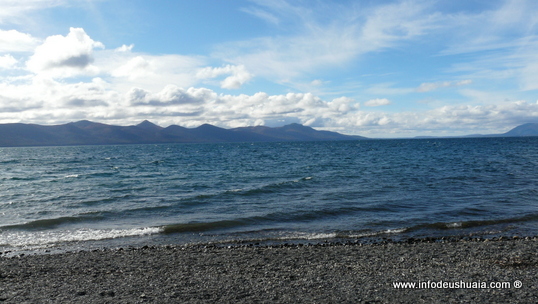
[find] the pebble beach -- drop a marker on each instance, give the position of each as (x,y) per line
(501,270)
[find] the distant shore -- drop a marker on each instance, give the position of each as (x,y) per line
(462,271)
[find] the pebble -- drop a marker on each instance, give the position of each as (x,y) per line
(325,272)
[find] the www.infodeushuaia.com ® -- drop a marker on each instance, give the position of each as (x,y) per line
(456,285)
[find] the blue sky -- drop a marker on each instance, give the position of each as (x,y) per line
(372,68)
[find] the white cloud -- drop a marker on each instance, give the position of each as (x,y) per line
(262,14)
(343,104)
(314,38)
(171,95)
(131,69)
(44,100)
(462,119)
(501,27)
(238,75)
(316,82)
(12,10)
(323,37)
(65,56)
(499,43)
(529,74)
(198,105)
(7,62)
(15,41)
(431,86)
(125,48)
(377,102)
(389,24)
(314,43)
(135,68)
(387,89)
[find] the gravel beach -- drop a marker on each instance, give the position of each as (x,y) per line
(450,271)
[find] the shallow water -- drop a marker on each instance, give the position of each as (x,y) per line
(199,193)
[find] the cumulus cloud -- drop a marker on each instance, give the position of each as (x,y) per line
(339,114)
(238,75)
(136,86)
(15,41)
(431,86)
(170,95)
(65,56)
(377,102)
(238,110)
(125,48)
(316,82)
(7,62)
(137,67)
(45,100)
(132,69)
(343,104)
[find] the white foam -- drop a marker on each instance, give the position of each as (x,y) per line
(454,225)
(361,235)
(316,236)
(44,239)
(400,230)
(309,236)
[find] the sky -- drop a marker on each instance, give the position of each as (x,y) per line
(383,68)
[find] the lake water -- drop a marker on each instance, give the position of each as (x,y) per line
(93,196)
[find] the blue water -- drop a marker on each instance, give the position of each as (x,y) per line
(69,197)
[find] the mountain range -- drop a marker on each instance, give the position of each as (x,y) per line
(85,132)
(91,133)
(528,129)
(524,130)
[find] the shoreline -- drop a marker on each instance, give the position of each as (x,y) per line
(320,272)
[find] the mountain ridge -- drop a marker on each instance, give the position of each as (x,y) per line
(85,132)
(524,130)
(528,129)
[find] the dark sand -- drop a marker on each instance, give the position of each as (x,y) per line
(323,273)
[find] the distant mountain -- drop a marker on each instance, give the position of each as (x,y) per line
(91,133)
(528,129)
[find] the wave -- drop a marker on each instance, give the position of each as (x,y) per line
(475,223)
(270,188)
(369,234)
(283,217)
(275,187)
(16,178)
(202,227)
(10,161)
(51,238)
(271,218)
(45,239)
(55,222)
(278,236)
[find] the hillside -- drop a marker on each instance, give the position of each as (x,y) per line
(528,129)
(91,133)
